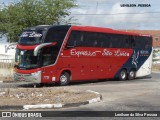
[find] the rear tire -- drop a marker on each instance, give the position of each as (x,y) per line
(131,74)
(64,79)
(123,75)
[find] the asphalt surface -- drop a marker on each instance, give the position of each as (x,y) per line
(133,95)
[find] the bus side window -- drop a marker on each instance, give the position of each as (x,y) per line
(75,39)
(148,42)
(106,40)
(132,42)
(90,39)
(80,39)
(71,39)
(49,55)
(113,41)
(100,39)
(126,42)
(140,42)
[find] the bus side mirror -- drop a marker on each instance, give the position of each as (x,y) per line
(41,46)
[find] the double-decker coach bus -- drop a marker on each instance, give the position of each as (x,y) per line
(65,53)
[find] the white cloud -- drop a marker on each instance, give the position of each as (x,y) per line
(126,18)
(121,21)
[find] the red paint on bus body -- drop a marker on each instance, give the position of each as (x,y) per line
(83,63)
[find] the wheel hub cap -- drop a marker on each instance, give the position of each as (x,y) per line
(63,78)
(123,75)
(132,74)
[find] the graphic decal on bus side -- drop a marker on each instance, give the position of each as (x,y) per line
(31,34)
(104,52)
(120,53)
(135,58)
(74,52)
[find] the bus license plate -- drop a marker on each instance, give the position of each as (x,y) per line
(21,79)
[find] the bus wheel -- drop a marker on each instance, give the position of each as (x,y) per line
(131,74)
(64,78)
(123,75)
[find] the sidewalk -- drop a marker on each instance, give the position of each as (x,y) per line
(35,98)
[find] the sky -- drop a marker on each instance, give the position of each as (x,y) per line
(110,13)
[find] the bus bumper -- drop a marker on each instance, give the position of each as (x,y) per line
(33,77)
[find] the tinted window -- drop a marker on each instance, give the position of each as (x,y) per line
(31,37)
(104,40)
(148,42)
(76,39)
(117,41)
(95,39)
(91,39)
(26,59)
(57,34)
(132,43)
(139,42)
(49,55)
(107,40)
(54,35)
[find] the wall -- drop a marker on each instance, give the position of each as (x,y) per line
(6,61)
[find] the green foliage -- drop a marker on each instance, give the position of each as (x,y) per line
(29,13)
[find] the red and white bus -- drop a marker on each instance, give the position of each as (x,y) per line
(65,53)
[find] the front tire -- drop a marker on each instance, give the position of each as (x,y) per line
(123,75)
(64,79)
(131,74)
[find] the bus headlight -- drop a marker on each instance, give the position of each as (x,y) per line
(36,76)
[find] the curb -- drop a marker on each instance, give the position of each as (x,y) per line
(54,106)
(7,107)
(155,72)
(7,81)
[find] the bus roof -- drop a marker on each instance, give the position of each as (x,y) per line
(45,27)
(86,28)
(106,30)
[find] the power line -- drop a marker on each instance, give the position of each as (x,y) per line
(115,13)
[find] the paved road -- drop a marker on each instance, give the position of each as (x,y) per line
(134,95)
(139,94)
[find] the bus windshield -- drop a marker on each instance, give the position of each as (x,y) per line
(26,60)
(31,37)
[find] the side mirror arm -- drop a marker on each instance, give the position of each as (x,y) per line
(41,46)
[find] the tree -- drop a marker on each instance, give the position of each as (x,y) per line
(27,13)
